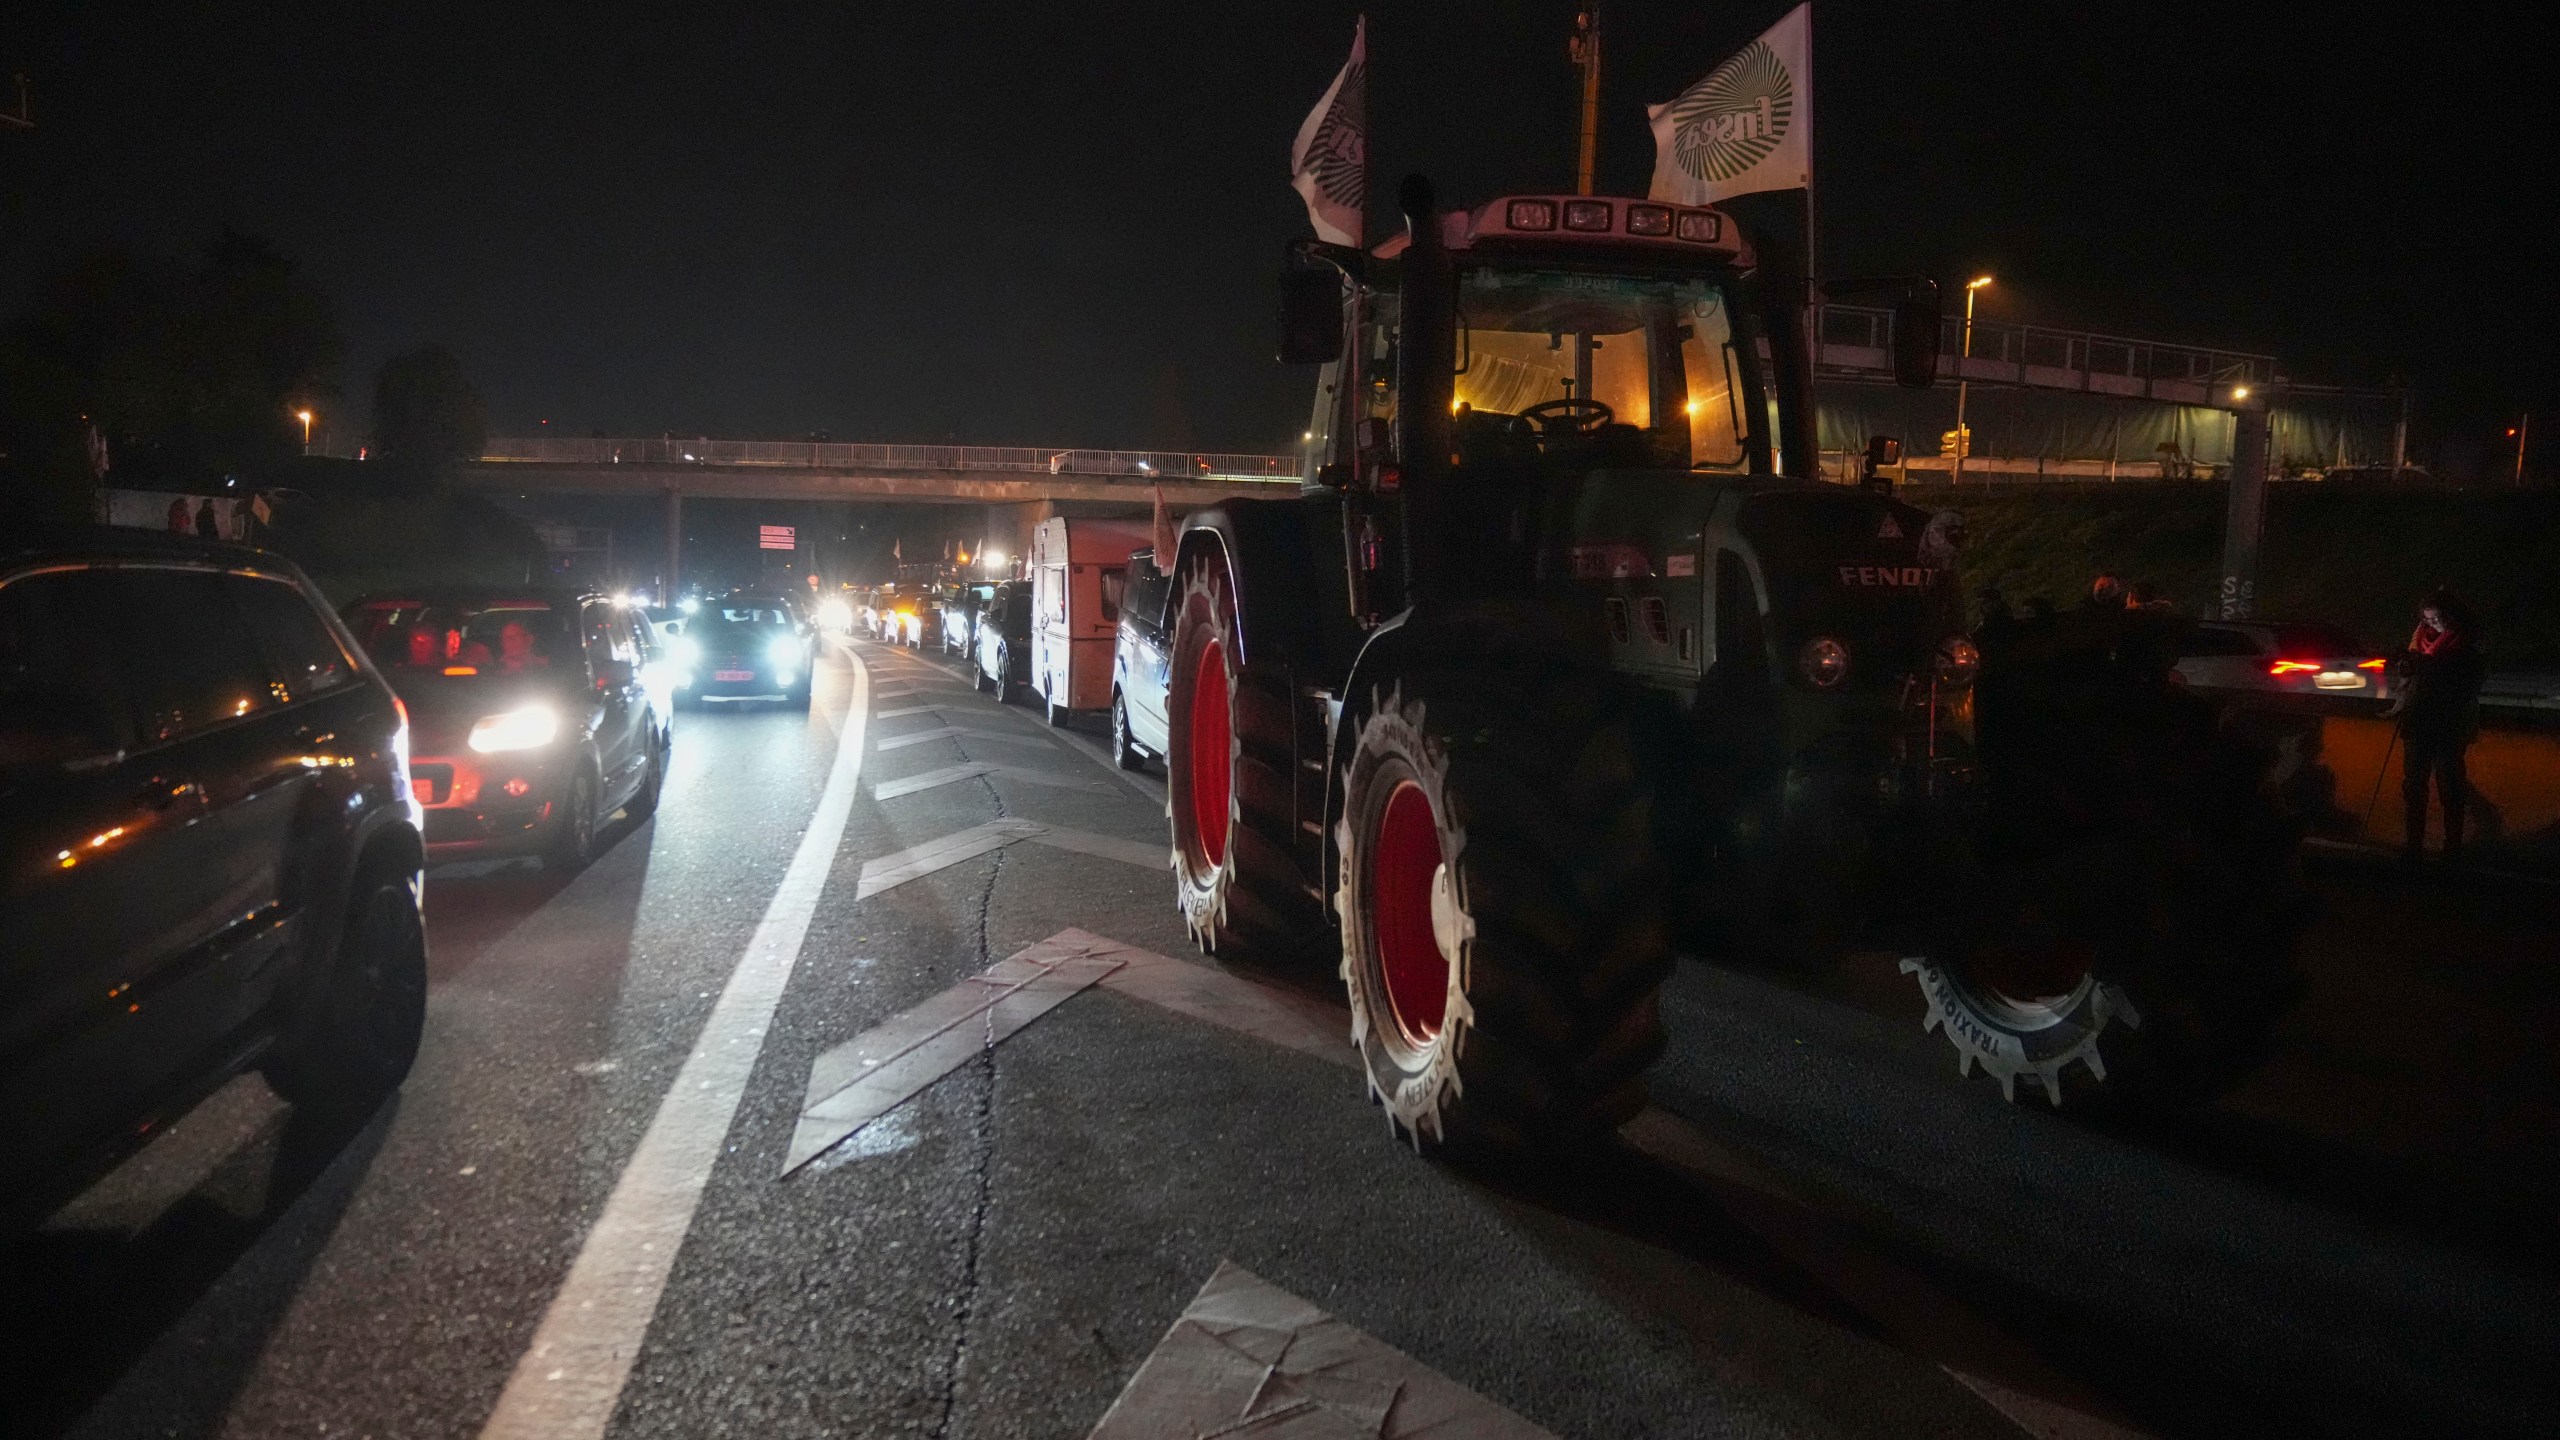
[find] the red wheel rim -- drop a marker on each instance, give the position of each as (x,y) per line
(1212,753)
(1402,865)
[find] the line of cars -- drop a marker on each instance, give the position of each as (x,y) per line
(218,800)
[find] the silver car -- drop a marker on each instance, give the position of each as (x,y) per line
(2284,658)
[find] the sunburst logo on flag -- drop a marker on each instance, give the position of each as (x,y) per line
(1731,120)
(1340,155)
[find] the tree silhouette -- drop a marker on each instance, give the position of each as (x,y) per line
(427,415)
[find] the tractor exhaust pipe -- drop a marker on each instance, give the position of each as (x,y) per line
(1426,379)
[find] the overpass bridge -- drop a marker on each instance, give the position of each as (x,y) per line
(1019,485)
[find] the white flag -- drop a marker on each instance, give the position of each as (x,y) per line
(1329,166)
(1747,127)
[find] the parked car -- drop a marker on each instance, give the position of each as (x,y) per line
(533,721)
(209,861)
(1142,666)
(1077,570)
(1003,654)
(2283,657)
(920,626)
(961,606)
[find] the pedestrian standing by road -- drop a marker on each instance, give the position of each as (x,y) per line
(2441,673)
(208,522)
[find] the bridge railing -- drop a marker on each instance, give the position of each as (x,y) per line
(839,455)
(1860,338)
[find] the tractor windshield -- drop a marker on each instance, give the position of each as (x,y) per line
(1654,352)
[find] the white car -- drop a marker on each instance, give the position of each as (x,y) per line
(2284,658)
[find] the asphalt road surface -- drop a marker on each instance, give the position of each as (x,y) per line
(914,904)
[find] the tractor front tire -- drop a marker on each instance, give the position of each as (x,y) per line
(1504,934)
(1227,788)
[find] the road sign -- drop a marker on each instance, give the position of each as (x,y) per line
(777,537)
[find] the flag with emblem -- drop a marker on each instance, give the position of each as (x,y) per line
(1329,165)
(1747,127)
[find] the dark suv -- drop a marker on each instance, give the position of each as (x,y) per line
(535,721)
(208,856)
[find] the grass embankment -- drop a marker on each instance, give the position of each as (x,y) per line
(2357,558)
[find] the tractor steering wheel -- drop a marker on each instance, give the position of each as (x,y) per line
(1571,416)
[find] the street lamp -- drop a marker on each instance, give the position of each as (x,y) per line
(1963,441)
(305,417)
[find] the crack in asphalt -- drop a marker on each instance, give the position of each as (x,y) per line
(982,1138)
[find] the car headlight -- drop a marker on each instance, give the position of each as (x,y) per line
(525,728)
(783,651)
(1824,662)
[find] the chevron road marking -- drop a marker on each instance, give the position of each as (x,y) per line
(900,742)
(948,774)
(868,1076)
(918,861)
(1248,1358)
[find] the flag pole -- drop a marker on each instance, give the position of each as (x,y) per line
(1586,56)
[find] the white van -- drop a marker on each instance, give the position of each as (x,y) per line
(1078,568)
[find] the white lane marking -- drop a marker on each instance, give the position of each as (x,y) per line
(866,1077)
(1248,1358)
(566,1384)
(900,742)
(950,774)
(906,710)
(917,861)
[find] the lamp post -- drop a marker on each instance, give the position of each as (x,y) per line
(1963,441)
(305,417)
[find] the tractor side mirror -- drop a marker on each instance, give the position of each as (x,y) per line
(1310,317)
(1915,339)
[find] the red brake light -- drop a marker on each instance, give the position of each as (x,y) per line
(2371,664)
(2292,667)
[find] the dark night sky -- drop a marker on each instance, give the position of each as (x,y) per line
(1055,224)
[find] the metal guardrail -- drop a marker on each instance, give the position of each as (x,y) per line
(838,455)
(1858,337)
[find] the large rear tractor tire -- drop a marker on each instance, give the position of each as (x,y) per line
(1504,936)
(1227,788)
(2129,905)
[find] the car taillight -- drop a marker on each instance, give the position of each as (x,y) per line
(2371,664)
(2292,667)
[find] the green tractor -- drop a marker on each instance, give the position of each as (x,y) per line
(1565,660)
